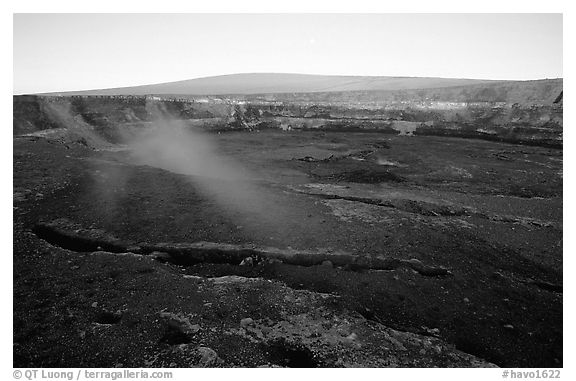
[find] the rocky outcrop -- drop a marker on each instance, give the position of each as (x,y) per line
(308,332)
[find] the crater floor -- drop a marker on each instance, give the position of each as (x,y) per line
(488,213)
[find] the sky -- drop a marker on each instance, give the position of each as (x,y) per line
(62,52)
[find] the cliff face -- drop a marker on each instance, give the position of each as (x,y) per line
(523,92)
(484,111)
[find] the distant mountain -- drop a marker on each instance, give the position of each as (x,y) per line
(262,83)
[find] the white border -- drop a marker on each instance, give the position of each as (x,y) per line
(294,6)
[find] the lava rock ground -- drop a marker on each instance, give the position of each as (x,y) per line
(491,213)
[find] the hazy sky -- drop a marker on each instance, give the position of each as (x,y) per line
(57,52)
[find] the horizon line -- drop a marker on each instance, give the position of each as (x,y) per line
(50,92)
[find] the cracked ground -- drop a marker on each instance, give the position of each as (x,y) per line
(489,213)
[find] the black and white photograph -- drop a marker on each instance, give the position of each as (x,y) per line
(286,190)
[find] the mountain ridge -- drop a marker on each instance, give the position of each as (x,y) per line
(261,83)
